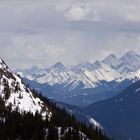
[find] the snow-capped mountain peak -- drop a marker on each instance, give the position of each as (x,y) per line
(88,74)
(16,94)
(57,67)
(131,54)
(3,66)
(110,57)
(131,58)
(129,62)
(112,61)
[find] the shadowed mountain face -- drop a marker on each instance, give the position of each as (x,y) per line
(80,97)
(120,115)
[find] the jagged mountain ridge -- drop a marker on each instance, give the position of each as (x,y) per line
(16,94)
(85,83)
(87,75)
(129,62)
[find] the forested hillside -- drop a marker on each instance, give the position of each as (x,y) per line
(61,126)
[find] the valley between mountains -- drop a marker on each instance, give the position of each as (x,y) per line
(85,83)
(27,115)
(103,93)
(90,101)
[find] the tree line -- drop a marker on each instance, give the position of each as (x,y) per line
(61,126)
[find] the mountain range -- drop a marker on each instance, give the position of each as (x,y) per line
(85,83)
(110,86)
(25,114)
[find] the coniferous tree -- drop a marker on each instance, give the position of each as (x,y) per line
(26,126)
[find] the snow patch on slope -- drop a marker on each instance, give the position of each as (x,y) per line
(16,94)
(94,123)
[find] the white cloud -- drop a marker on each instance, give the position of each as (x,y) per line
(76,13)
(71,31)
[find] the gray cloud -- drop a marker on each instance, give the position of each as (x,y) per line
(72,31)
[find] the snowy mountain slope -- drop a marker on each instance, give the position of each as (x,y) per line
(129,62)
(57,67)
(112,61)
(134,76)
(32,73)
(16,99)
(87,82)
(132,59)
(89,76)
(16,94)
(86,75)
(117,64)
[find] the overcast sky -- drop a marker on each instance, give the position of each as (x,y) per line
(34,32)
